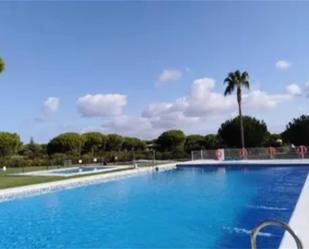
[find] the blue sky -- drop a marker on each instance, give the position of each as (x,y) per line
(138,68)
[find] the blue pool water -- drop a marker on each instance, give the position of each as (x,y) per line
(69,171)
(190,207)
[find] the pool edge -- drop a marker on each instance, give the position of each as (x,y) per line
(43,188)
(298,221)
(249,162)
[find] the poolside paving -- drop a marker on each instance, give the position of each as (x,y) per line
(35,189)
(299,221)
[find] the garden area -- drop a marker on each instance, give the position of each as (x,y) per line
(112,149)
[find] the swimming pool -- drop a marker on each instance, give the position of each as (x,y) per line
(77,170)
(189,207)
(73,171)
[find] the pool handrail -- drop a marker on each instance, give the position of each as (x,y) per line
(277,223)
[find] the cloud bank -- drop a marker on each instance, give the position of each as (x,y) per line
(283,64)
(101,105)
(203,108)
(49,108)
(168,75)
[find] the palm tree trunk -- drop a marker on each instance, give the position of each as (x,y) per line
(242,135)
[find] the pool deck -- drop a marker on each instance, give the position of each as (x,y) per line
(59,172)
(249,162)
(37,189)
(299,221)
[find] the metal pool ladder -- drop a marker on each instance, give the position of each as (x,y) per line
(277,223)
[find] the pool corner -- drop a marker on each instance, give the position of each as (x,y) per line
(298,221)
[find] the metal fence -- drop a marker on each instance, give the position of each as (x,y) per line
(252,153)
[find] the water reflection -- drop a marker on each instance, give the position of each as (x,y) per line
(221,170)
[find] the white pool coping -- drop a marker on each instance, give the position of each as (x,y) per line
(57,172)
(249,162)
(41,188)
(299,221)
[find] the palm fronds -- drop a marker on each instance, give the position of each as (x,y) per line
(2,65)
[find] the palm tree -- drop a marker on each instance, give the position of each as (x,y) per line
(237,80)
(1,65)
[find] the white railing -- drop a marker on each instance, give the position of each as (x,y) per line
(252,153)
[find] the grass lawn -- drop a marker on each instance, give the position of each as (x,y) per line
(9,181)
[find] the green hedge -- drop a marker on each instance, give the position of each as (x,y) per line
(108,156)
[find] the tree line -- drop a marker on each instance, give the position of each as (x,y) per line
(171,144)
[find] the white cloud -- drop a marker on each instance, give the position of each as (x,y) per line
(50,106)
(298,90)
(101,105)
(168,75)
(153,110)
(204,101)
(203,104)
(283,64)
(130,126)
(201,110)
(294,89)
(200,102)
(306,89)
(174,120)
(259,100)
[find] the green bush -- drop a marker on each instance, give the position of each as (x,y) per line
(194,142)
(212,142)
(273,140)
(9,143)
(58,159)
(18,162)
(39,162)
